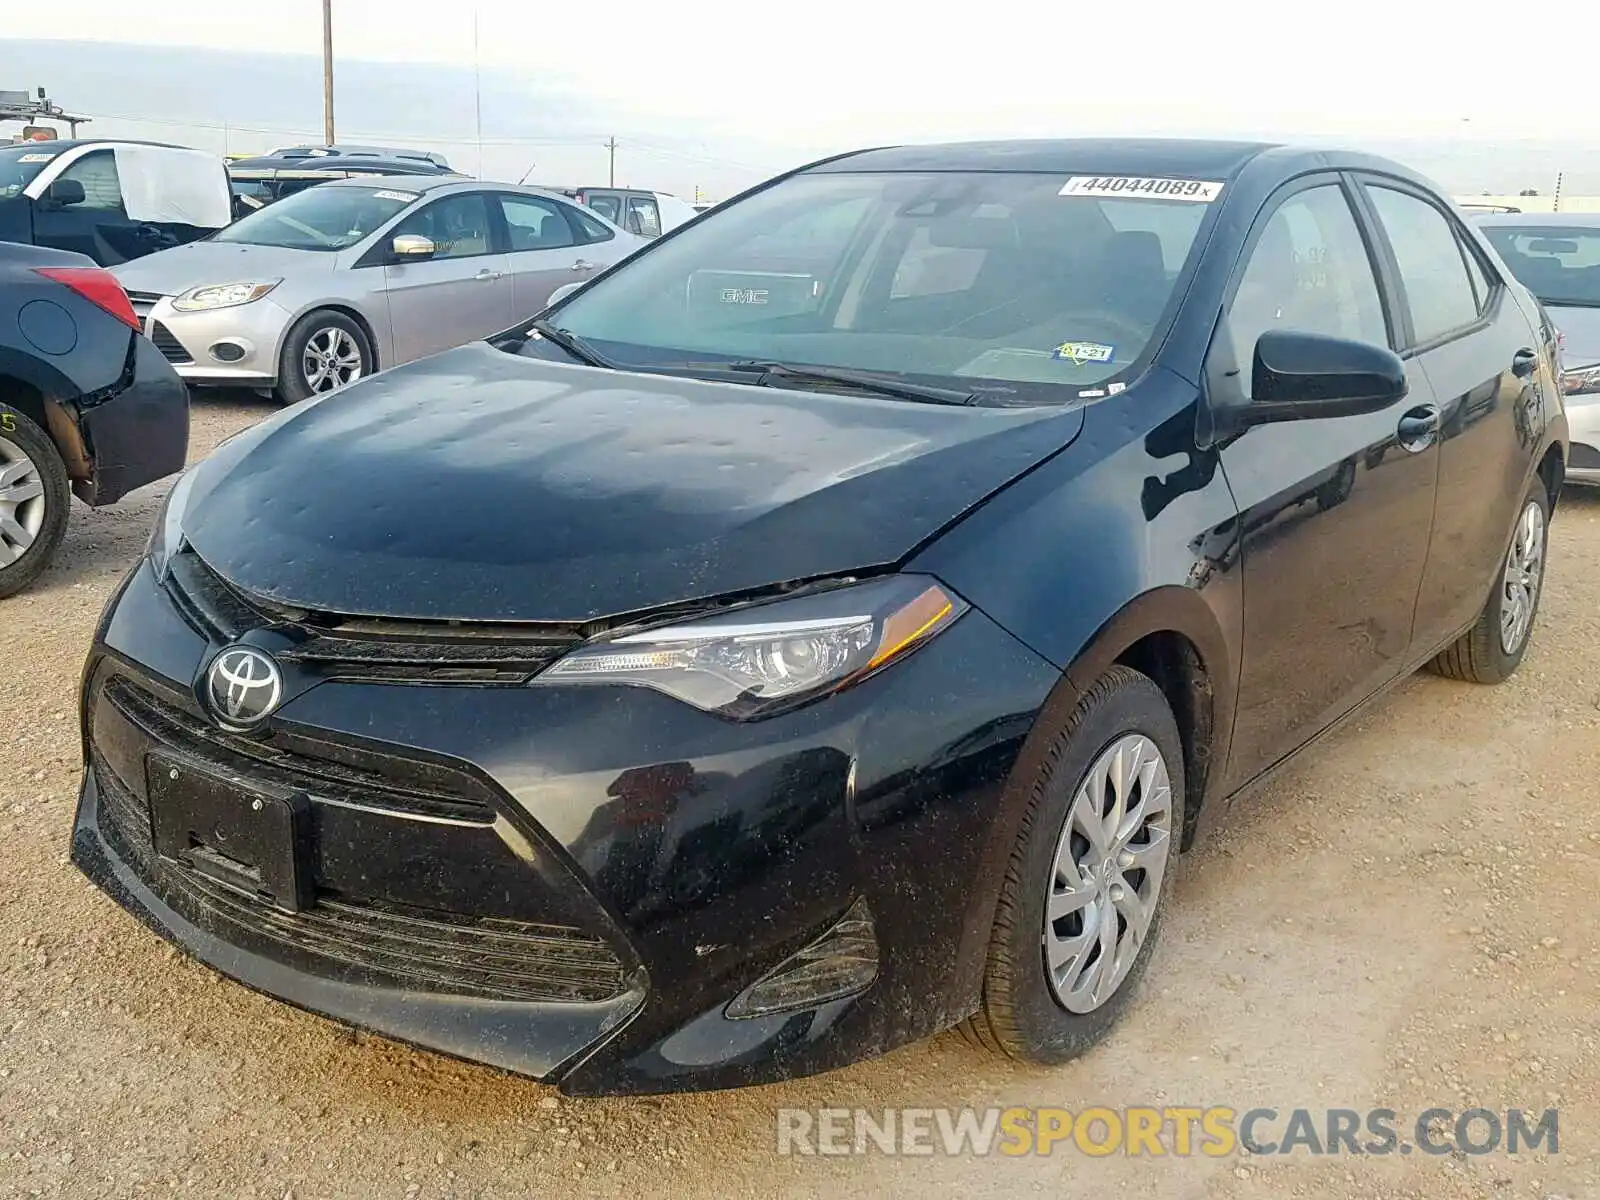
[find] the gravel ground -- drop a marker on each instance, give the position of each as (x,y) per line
(1404,920)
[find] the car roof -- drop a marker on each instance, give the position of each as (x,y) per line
(1576,220)
(308,164)
(1133,156)
(61,144)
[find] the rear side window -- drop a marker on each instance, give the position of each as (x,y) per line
(1433,267)
(534,224)
(589,230)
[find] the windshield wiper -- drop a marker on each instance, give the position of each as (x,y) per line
(863,381)
(572,344)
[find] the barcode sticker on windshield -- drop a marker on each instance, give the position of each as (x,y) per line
(33,158)
(403,197)
(1139,188)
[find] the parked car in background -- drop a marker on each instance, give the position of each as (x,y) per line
(701,686)
(333,283)
(110,201)
(87,405)
(262,180)
(647,214)
(1557,256)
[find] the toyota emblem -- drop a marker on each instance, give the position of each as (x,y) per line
(244,686)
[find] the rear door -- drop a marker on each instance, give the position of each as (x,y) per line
(643,215)
(542,238)
(1480,354)
(464,292)
(1334,513)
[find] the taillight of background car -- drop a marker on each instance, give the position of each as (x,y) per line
(97,286)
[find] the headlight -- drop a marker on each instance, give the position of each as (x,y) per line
(222,295)
(167,533)
(1581,381)
(755,660)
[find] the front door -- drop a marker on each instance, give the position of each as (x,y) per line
(98,225)
(1481,355)
(1335,514)
(544,250)
(464,292)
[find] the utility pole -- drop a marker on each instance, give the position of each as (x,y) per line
(612,147)
(1556,206)
(327,71)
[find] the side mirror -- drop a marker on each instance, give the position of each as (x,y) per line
(64,193)
(562,292)
(414,247)
(1309,376)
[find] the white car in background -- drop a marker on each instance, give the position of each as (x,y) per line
(354,275)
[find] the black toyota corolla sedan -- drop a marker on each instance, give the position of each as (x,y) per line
(829,625)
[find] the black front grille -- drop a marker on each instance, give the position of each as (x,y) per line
(358,648)
(346,774)
(143,303)
(171,348)
(385,945)
(1584,458)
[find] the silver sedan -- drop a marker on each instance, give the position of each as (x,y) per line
(351,276)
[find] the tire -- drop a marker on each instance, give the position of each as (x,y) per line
(1023,1013)
(35,496)
(1487,653)
(337,332)
(1337,490)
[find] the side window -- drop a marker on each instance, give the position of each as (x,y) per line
(643,216)
(102,189)
(535,224)
(1432,270)
(609,207)
(1308,271)
(589,230)
(1482,289)
(458,225)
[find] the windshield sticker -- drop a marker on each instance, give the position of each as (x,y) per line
(1078,353)
(403,197)
(33,158)
(1137,187)
(1092,394)
(1114,388)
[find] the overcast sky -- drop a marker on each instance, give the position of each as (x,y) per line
(732,82)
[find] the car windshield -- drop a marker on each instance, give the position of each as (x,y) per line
(19,164)
(326,217)
(1560,264)
(1026,287)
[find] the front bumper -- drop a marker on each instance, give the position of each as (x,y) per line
(191,341)
(1583,430)
(574,883)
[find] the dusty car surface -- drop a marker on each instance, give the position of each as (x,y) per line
(735,671)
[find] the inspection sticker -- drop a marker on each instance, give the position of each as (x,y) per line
(33,158)
(403,197)
(1137,187)
(1079,353)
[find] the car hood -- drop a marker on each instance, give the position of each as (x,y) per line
(168,272)
(1581,327)
(480,485)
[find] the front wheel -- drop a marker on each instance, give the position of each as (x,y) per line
(1080,906)
(34,498)
(325,350)
(1494,647)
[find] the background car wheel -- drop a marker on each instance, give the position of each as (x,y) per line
(325,350)
(34,498)
(1080,906)
(1337,490)
(1492,649)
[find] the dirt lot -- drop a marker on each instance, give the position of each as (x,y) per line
(1406,921)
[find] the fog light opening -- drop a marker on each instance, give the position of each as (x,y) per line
(228,352)
(840,963)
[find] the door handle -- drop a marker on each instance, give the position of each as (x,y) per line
(1523,363)
(1418,428)
(583,264)
(486,275)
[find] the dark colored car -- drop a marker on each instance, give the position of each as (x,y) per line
(260,181)
(696,687)
(112,201)
(87,405)
(1557,257)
